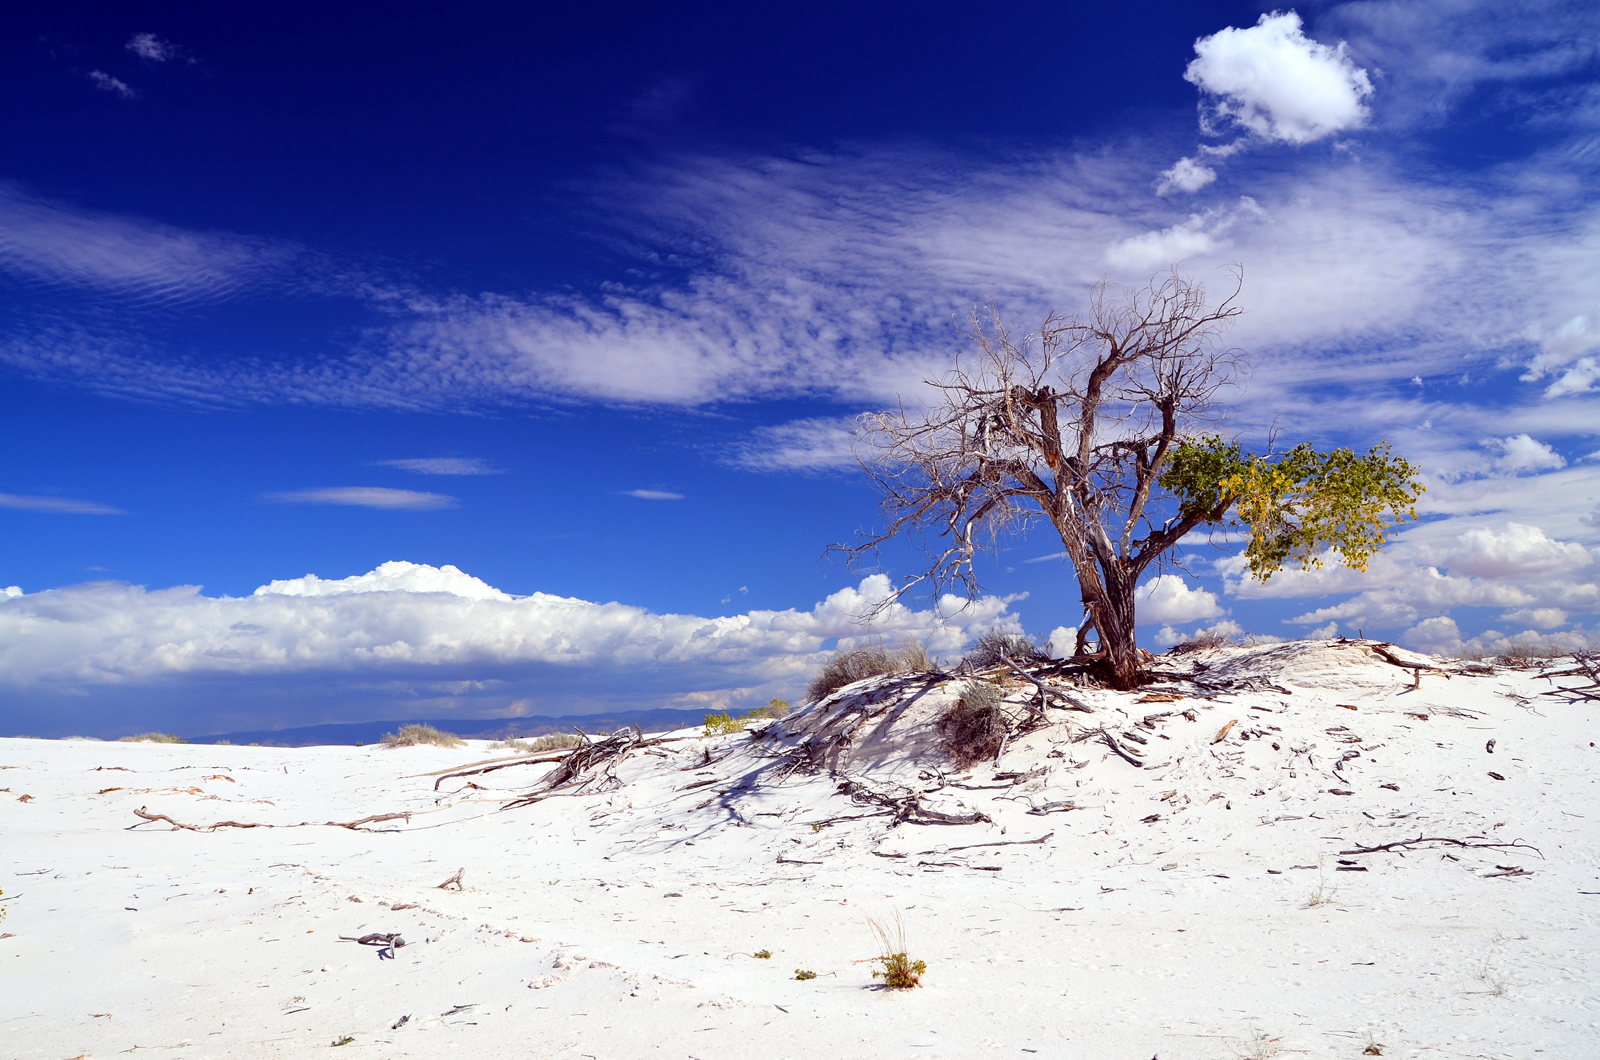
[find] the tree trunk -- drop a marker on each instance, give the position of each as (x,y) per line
(1114,621)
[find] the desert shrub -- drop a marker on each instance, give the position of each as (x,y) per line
(775,708)
(899,971)
(1525,653)
(994,647)
(83,739)
(417,735)
(974,726)
(801,973)
(763,955)
(153,737)
(1203,640)
(848,667)
(724,724)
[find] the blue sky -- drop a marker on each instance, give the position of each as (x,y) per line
(580,304)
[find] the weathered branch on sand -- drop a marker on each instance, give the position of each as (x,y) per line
(599,760)
(1397,844)
(354,826)
(1124,754)
(907,808)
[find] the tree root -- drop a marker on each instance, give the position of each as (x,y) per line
(354,826)
(1516,845)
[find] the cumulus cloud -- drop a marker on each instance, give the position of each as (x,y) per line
(1538,617)
(1439,634)
(57,505)
(443,465)
(1520,452)
(366,497)
(105,82)
(1518,551)
(1278,83)
(1185,175)
(1167,598)
(405,630)
(653,495)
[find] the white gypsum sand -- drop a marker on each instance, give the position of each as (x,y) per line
(1198,906)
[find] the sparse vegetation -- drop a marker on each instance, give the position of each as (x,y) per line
(802,973)
(1259,1046)
(724,724)
(153,737)
(1322,895)
(555,741)
(775,708)
(1204,640)
(420,735)
(1370,1046)
(848,667)
(994,647)
(763,955)
(899,972)
(974,726)
(1494,984)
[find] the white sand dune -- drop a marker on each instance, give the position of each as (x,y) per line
(1167,912)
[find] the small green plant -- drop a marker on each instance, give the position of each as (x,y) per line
(899,972)
(153,737)
(2,908)
(346,1040)
(555,741)
(724,724)
(1322,895)
(417,735)
(775,708)
(804,973)
(763,955)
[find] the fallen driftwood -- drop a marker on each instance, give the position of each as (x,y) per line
(598,760)
(1399,843)
(354,826)
(453,883)
(907,808)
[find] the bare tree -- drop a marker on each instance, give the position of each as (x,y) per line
(1077,424)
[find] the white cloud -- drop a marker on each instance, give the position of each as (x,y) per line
(443,465)
(1278,83)
(1518,552)
(404,628)
(1538,617)
(1520,452)
(1158,250)
(653,495)
(393,576)
(816,444)
(1185,175)
(151,47)
(106,82)
(366,497)
(126,257)
(1167,598)
(1327,632)
(58,505)
(1438,634)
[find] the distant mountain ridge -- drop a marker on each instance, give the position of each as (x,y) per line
(365,732)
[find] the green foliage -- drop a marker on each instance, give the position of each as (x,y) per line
(724,724)
(153,737)
(415,735)
(801,973)
(1297,504)
(763,955)
(775,708)
(899,972)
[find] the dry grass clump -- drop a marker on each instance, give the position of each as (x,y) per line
(1204,640)
(153,737)
(419,735)
(555,741)
(995,647)
(1525,653)
(974,726)
(848,667)
(899,972)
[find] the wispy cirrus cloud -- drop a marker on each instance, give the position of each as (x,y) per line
(379,497)
(55,505)
(653,495)
(443,465)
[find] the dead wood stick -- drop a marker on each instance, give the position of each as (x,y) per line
(1071,704)
(1222,733)
(453,883)
(140,812)
(374,819)
(1112,743)
(1517,844)
(1001,843)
